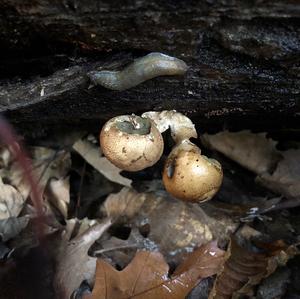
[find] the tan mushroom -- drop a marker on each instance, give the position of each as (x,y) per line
(190,176)
(187,174)
(131,142)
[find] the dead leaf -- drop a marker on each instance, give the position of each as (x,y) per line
(255,152)
(58,193)
(47,163)
(121,252)
(275,285)
(11,227)
(146,277)
(92,155)
(258,153)
(286,177)
(244,269)
(5,156)
(174,226)
(74,265)
(126,203)
(11,201)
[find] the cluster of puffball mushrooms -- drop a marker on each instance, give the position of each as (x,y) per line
(133,143)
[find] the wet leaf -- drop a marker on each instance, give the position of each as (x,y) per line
(74,265)
(92,155)
(244,269)
(146,277)
(255,152)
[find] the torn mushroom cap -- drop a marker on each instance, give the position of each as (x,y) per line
(131,142)
(181,126)
(190,176)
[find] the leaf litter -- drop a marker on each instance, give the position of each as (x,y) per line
(133,244)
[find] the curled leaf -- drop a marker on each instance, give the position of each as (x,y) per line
(244,269)
(58,193)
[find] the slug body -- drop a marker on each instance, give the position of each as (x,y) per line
(142,69)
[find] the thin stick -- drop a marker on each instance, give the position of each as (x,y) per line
(78,204)
(104,250)
(286,204)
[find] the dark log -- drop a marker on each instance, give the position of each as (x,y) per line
(243,59)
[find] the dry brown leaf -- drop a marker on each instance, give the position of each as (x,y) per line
(174,226)
(146,277)
(255,152)
(244,269)
(92,155)
(11,201)
(286,177)
(74,265)
(58,193)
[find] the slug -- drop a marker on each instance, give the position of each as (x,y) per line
(142,69)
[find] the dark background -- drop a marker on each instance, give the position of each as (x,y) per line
(243,59)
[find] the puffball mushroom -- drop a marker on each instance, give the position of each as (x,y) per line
(131,142)
(187,174)
(190,176)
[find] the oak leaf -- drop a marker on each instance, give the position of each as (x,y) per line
(146,277)
(74,265)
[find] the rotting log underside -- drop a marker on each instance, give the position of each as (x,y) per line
(243,59)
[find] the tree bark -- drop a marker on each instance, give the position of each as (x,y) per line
(243,60)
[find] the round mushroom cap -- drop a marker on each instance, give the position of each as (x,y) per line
(131,142)
(190,176)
